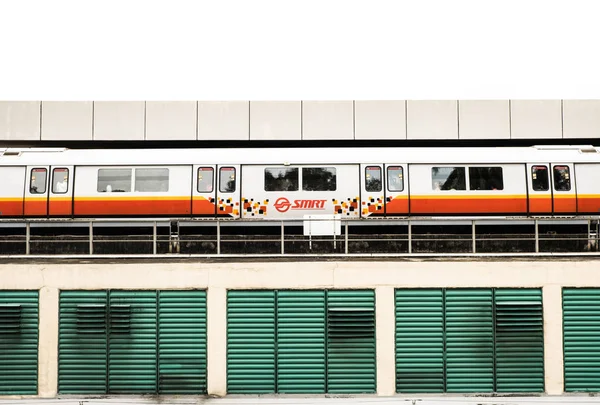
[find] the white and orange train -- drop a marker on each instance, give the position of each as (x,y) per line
(290,183)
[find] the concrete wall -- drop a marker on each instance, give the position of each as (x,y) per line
(217,278)
(299,120)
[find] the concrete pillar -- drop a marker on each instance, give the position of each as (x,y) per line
(48,343)
(385,319)
(216,318)
(553,340)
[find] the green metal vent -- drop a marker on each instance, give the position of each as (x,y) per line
(350,323)
(132,351)
(519,343)
(182,342)
(469,340)
(351,365)
(10,318)
(301,339)
(420,341)
(18,342)
(581,328)
(82,343)
(251,342)
(120,318)
(91,318)
(132,342)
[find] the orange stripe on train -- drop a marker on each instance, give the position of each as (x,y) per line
(11,207)
(125,206)
(467,205)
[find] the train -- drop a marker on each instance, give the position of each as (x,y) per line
(355,183)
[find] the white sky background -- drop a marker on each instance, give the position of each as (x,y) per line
(299,50)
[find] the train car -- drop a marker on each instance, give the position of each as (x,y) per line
(286,183)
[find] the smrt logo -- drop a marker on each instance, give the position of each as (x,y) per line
(283,204)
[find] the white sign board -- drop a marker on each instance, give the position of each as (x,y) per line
(322,225)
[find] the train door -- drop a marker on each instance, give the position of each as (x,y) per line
(60,202)
(564,195)
(36,191)
(204,191)
(396,190)
(372,191)
(538,188)
(228,191)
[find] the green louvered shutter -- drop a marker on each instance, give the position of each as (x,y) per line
(469,340)
(581,329)
(420,340)
(18,342)
(182,342)
(301,342)
(82,344)
(519,340)
(132,356)
(251,342)
(351,341)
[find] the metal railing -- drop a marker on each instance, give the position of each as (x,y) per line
(220,238)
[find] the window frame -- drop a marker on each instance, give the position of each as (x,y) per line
(131,178)
(388,185)
(533,167)
(212,181)
(54,176)
(135,179)
(367,168)
(464,174)
(228,168)
(324,168)
(486,167)
(554,177)
(297,169)
(36,170)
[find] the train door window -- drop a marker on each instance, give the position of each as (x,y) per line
(152,180)
(539,178)
(395,178)
(60,181)
(227,179)
(562,179)
(114,180)
(486,178)
(373,178)
(205,179)
(37,184)
(281,179)
(319,179)
(448,178)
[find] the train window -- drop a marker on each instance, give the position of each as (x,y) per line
(539,178)
(281,179)
(319,179)
(448,178)
(37,185)
(395,178)
(373,178)
(562,179)
(60,181)
(205,179)
(114,180)
(227,179)
(486,178)
(152,180)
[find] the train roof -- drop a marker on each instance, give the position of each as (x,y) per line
(282,156)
